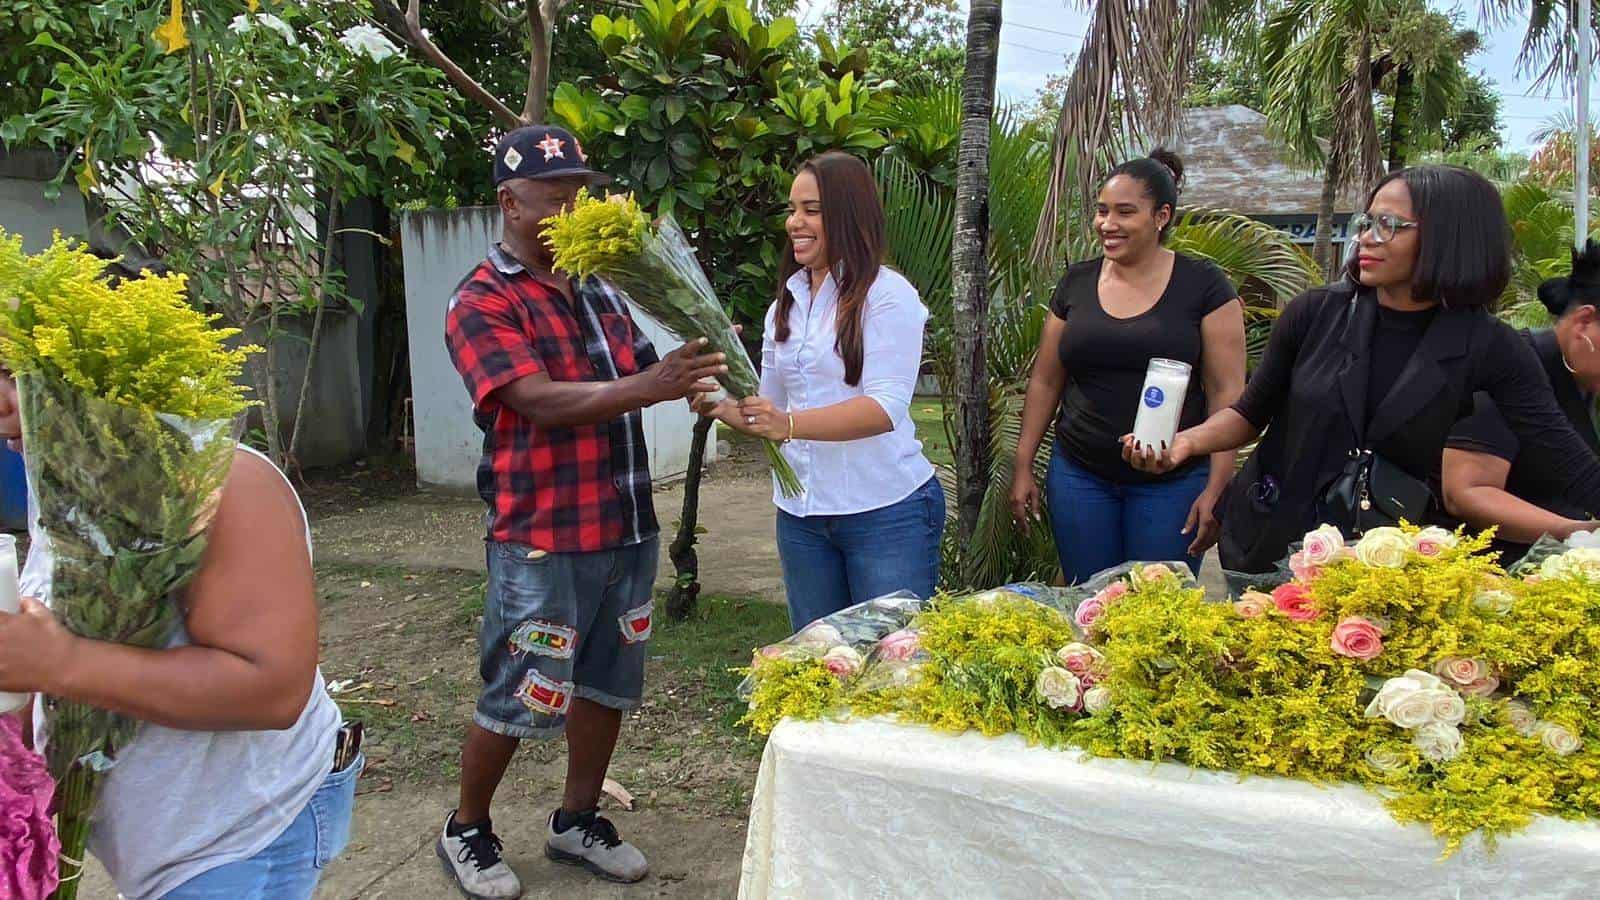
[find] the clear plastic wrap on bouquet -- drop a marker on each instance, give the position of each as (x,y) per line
(124,497)
(1545,548)
(842,641)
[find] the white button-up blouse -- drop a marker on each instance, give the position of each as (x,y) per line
(806,372)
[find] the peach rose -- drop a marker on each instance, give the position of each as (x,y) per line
(1253,605)
(1460,671)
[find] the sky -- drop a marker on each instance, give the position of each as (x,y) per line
(1036,35)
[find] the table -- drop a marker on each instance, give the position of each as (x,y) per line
(875,809)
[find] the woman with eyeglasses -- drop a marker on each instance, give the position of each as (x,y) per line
(1363,380)
(1488,478)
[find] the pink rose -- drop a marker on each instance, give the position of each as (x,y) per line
(1156,572)
(1460,670)
(1089,612)
(1302,568)
(1079,659)
(1483,687)
(1433,541)
(1357,638)
(843,661)
(28,843)
(1322,546)
(899,646)
(1112,591)
(1294,600)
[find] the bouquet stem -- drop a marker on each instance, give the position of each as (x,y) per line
(75,802)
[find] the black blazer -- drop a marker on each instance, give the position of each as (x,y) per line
(1310,394)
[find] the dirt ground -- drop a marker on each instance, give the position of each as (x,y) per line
(400,574)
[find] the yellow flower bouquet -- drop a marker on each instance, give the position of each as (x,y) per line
(128,421)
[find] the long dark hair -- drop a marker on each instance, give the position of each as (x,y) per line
(1463,241)
(852,227)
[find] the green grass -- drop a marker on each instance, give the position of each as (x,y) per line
(719,637)
(928,413)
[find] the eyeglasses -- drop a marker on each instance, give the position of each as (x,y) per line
(1384,226)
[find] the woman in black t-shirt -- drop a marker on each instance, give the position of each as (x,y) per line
(1348,370)
(1109,317)
(1489,479)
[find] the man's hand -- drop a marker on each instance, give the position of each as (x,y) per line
(683,372)
(34,648)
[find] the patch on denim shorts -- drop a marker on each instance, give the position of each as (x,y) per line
(543,638)
(635,624)
(545,695)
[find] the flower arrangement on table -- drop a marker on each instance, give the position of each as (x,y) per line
(129,404)
(1407,662)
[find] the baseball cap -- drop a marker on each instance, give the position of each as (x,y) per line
(542,151)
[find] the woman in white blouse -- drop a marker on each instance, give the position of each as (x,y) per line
(839,362)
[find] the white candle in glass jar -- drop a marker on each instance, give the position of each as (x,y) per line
(1166,383)
(10,601)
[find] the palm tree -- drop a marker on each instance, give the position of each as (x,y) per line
(1312,50)
(1423,69)
(969,259)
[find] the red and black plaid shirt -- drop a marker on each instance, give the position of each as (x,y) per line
(567,489)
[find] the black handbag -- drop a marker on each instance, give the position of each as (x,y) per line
(1372,492)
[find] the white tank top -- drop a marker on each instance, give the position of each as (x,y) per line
(180,803)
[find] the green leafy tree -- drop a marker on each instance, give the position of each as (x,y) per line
(225,142)
(908,41)
(705,115)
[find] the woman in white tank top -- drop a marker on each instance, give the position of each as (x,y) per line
(227,788)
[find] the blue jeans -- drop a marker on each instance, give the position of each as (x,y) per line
(289,867)
(1099,524)
(831,562)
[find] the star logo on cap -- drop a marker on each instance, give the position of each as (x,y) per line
(551,146)
(513,158)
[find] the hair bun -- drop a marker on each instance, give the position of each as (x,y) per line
(1172,162)
(1555,294)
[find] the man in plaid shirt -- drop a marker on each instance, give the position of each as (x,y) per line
(558,373)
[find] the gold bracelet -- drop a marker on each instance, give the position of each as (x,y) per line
(791,429)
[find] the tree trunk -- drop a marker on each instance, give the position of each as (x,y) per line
(685,593)
(970,265)
(1400,117)
(1322,250)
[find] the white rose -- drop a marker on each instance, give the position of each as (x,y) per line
(1496,602)
(1387,760)
(1558,739)
(369,40)
(1437,741)
(1059,688)
(1521,717)
(1407,700)
(1097,698)
(1411,710)
(1426,680)
(1584,538)
(1323,546)
(1448,707)
(1579,562)
(1384,548)
(819,633)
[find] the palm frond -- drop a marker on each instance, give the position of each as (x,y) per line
(1135,61)
(1261,261)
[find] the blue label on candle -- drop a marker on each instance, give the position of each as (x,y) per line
(1153,397)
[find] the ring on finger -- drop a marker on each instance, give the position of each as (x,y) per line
(749,420)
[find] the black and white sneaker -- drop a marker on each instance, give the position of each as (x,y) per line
(472,858)
(594,844)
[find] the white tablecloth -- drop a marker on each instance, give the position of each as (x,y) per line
(874,809)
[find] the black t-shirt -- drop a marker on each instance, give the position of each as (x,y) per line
(1486,431)
(1394,342)
(1106,359)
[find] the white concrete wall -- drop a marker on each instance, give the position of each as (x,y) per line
(440,247)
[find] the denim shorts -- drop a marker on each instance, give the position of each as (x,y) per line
(562,625)
(290,866)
